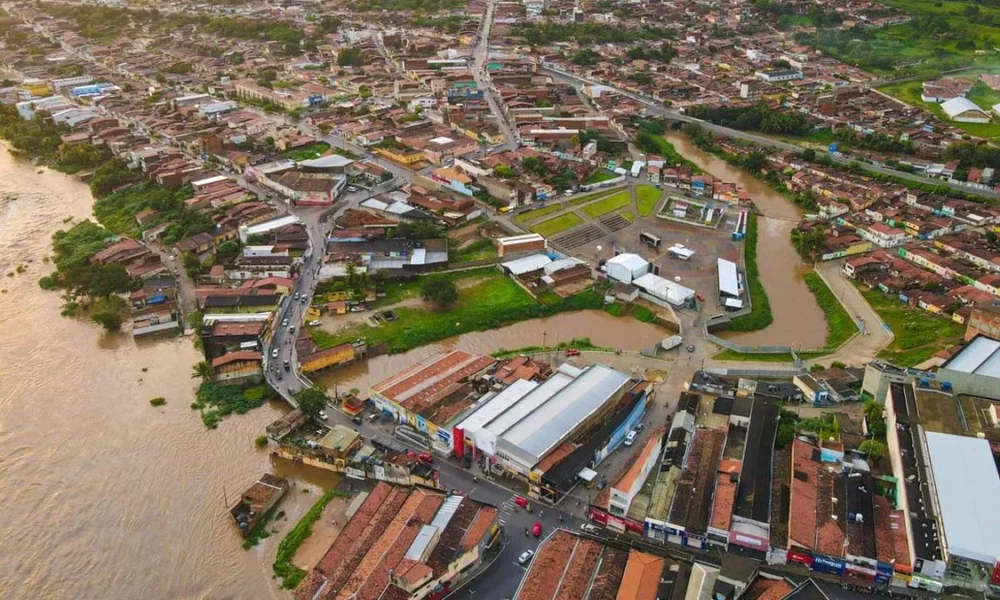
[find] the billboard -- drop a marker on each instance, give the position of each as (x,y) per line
(827,564)
(746,540)
(803,558)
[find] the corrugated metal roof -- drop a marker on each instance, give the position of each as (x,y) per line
(968,490)
(424,538)
(977,357)
(728,281)
(527,264)
(528,403)
(496,404)
(532,438)
(446,512)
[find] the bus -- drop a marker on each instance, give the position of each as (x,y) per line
(650,239)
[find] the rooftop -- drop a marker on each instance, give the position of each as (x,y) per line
(427,383)
(968,489)
(981,356)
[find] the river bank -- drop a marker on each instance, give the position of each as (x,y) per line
(798,320)
(106,496)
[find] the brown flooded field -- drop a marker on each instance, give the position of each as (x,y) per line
(798,321)
(603,330)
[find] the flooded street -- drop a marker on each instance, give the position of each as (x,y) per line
(105,496)
(798,321)
(603,330)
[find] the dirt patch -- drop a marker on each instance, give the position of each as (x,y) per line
(324,532)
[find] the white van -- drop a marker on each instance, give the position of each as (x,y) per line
(630,438)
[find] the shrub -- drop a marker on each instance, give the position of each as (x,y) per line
(158,401)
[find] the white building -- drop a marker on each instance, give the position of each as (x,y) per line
(964,110)
(626,267)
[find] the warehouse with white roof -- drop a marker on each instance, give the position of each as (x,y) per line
(522,424)
(965,480)
(975,369)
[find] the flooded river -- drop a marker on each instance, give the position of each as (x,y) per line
(103,495)
(603,330)
(798,321)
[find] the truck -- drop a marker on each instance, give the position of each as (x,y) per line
(671,342)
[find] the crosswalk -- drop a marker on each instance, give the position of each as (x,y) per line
(506,510)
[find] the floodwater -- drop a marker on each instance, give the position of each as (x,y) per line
(603,330)
(103,495)
(798,320)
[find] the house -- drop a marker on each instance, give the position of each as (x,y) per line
(238,368)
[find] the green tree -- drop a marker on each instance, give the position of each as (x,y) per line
(108,279)
(192,264)
(441,292)
(109,311)
(875,449)
(311,400)
(203,370)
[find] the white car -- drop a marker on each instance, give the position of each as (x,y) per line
(588,528)
(352,188)
(274,353)
(630,438)
(525,557)
(322,415)
(315,323)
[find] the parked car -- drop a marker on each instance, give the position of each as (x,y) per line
(630,438)
(284,322)
(690,348)
(356,420)
(323,415)
(525,557)
(639,426)
(358,308)
(295,296)
(588,528)
(536,529)
(352,188)
(315,323)
(572,352)
(291,329)
(274,353)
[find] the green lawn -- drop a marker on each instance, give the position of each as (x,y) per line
(628,215)
(646,196)
(770,357)
(577,201)
(538,213)
(609,204)
(397,291)
(909,92)
(480,249)
(919,334)
(760,315)
(307,152)
(599,176)
(557,224)
(839,324)
(490,304)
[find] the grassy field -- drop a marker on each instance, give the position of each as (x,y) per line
(839,324)
(599,176)
(609,204)
(740,356)
(577,201)
(909,92)
(646,196)
(480,249)
(628,215)
(494,302)
(557,224)
(307,152)
(919,334)
(760,315)
(538,213)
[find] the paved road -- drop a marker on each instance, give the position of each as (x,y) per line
(481,56)
(674,115)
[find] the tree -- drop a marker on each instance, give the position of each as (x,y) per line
(192,264)
(311,400)
(203,370)
(108,312)
(439,291)
(109,279)
(875,449)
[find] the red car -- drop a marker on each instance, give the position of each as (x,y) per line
(536,529)
(426,458)
(518,500)
(572,352)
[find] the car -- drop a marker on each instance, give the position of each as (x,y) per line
(699,297)
(356,420)
(280,376)
(358,308)
(352,188)
(587,527)
(630,438)
(639,426)
(572,352)
(291,329)
(690,348)
(426,458)
(315,323)
(284,322)
(303,300)
(536,529)
(296,296)
(603,484)
(520,501)
(525,557)
(274,353)
(323,415)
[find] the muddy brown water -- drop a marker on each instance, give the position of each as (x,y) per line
(105,496)
(603,330)
(798,320)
